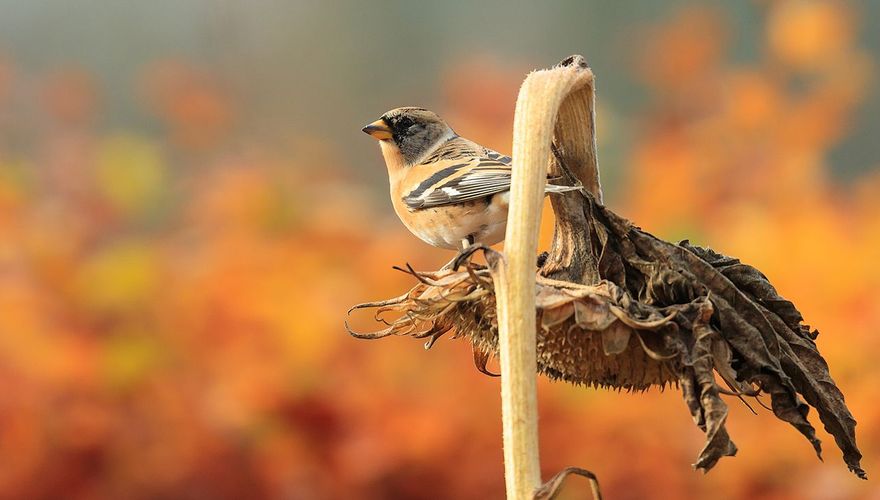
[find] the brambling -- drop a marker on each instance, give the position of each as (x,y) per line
(447,190)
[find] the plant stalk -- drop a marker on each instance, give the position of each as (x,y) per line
(537,107)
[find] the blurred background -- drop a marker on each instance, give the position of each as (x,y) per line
(188,207)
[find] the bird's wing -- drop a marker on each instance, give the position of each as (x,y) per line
(473,172)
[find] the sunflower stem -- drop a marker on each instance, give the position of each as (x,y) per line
(541,96)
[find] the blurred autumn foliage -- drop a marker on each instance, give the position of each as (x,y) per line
(171,301)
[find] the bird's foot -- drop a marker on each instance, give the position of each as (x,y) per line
(465,254)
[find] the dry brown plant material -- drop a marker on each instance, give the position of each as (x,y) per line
(619,308)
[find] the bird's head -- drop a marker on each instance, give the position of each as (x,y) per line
(415,132)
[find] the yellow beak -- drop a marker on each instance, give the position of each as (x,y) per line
(378,129)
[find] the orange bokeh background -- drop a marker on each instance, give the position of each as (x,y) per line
(172,296)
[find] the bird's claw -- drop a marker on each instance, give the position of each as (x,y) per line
(465,255)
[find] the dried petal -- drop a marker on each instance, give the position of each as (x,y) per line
(615,338)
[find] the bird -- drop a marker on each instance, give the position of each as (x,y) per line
(449,191)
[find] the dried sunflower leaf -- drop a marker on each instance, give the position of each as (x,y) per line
(801,360)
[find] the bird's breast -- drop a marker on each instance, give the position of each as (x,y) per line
(483,221)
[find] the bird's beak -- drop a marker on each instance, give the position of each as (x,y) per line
(378,129)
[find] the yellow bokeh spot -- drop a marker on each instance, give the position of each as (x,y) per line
(120,277)
(128,358)
(13,179)
(129,172)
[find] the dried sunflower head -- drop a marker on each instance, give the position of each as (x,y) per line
(663,314)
